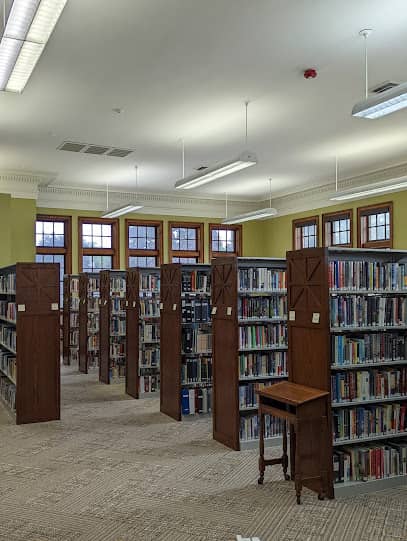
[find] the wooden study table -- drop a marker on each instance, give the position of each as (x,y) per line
(305,409)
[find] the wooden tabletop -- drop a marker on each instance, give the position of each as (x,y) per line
(291,393)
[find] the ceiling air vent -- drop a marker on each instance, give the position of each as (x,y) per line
(96,150)
(382,87)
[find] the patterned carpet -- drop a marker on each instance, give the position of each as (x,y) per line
(115,469)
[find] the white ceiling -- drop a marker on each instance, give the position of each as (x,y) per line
(183,68)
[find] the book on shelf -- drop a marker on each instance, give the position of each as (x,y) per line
(196,369)
(150,282)
(369,384)
(195,310)
(197,400)
(262,307)
(265,335)
(368,275)
(149,383)
(369,421)
(195,281)
(8,311)
(261,279)
(365,311)
(368,348)
(150,332)
(262,364)
(370,462)
(250,427)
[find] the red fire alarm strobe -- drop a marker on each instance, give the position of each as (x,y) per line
(310,73)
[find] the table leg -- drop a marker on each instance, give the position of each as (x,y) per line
(262,465)
(285,456)
(293,444)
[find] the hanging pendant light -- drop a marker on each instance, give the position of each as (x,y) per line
(261,214)
(123,209)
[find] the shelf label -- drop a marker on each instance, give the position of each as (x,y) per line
(21,308)
(84,300)
(291,315)
(54,306)
(174,307)
(315,317)
(134,304)
(229,311)
(104,303)
(161,306)
(214,310)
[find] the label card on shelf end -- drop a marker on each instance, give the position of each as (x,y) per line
(291,315)
(315,317)
(21,308)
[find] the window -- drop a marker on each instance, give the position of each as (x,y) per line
(185,242)
(143,243)
(305,233)
(375,226)
(98,244)
(337,228)
(224,240)
(53,244)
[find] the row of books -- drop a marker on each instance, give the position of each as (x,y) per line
(363,311)
(93,286)
(248,395)
(74,319)
(196,369)
(262,364)
(262,307)
(93,304)
(117,371)
(74,286)
(196,340)
(93,359)
(195,401)
(149,384)
(118,304)
(74,354)
(250,427)
(8,364)
(74,337)
(368,421)
(370,462)
(195,310)
(368,275)
(8,336)
(117,285)
(93,322)
(74,305)
(117,348)
(150,307)
(150,332)
(261,279)
(368,384)
(255,336)
(93,342)
(117,326)
(149,282)
(8,284)
(196,281)
(8,310)
(8,392)
(368,348)
(150,358)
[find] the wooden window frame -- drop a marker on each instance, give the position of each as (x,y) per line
(65,251)
(139,252)
(114,251)
(238,240)
(199,254)
(375,209)
(333,216)
(301,222)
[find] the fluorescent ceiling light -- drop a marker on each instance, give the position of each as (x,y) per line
(120,211)
(244,160)
(261,214)
(29,25)
(369,190)
(383,103)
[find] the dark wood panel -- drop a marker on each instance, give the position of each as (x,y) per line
(225,348)
(170,341)
(104,327)
(83,323)
(132,332)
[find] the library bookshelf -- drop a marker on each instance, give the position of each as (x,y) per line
(112,326)
(347,333)
(89,298)
(143,332)
(185,340)
(29,341)
(71,320)
(249,318)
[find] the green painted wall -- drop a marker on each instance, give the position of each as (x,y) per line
(278,231)
(252,233)
(17,218)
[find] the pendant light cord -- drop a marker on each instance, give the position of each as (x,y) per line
(246,105)
(226,205)
(336,173)
(366,70)
(270,190)
(136,182)
(107,196)
(183,158)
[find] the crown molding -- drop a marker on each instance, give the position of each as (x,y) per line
(319,196)
(162,204)
(23,185)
